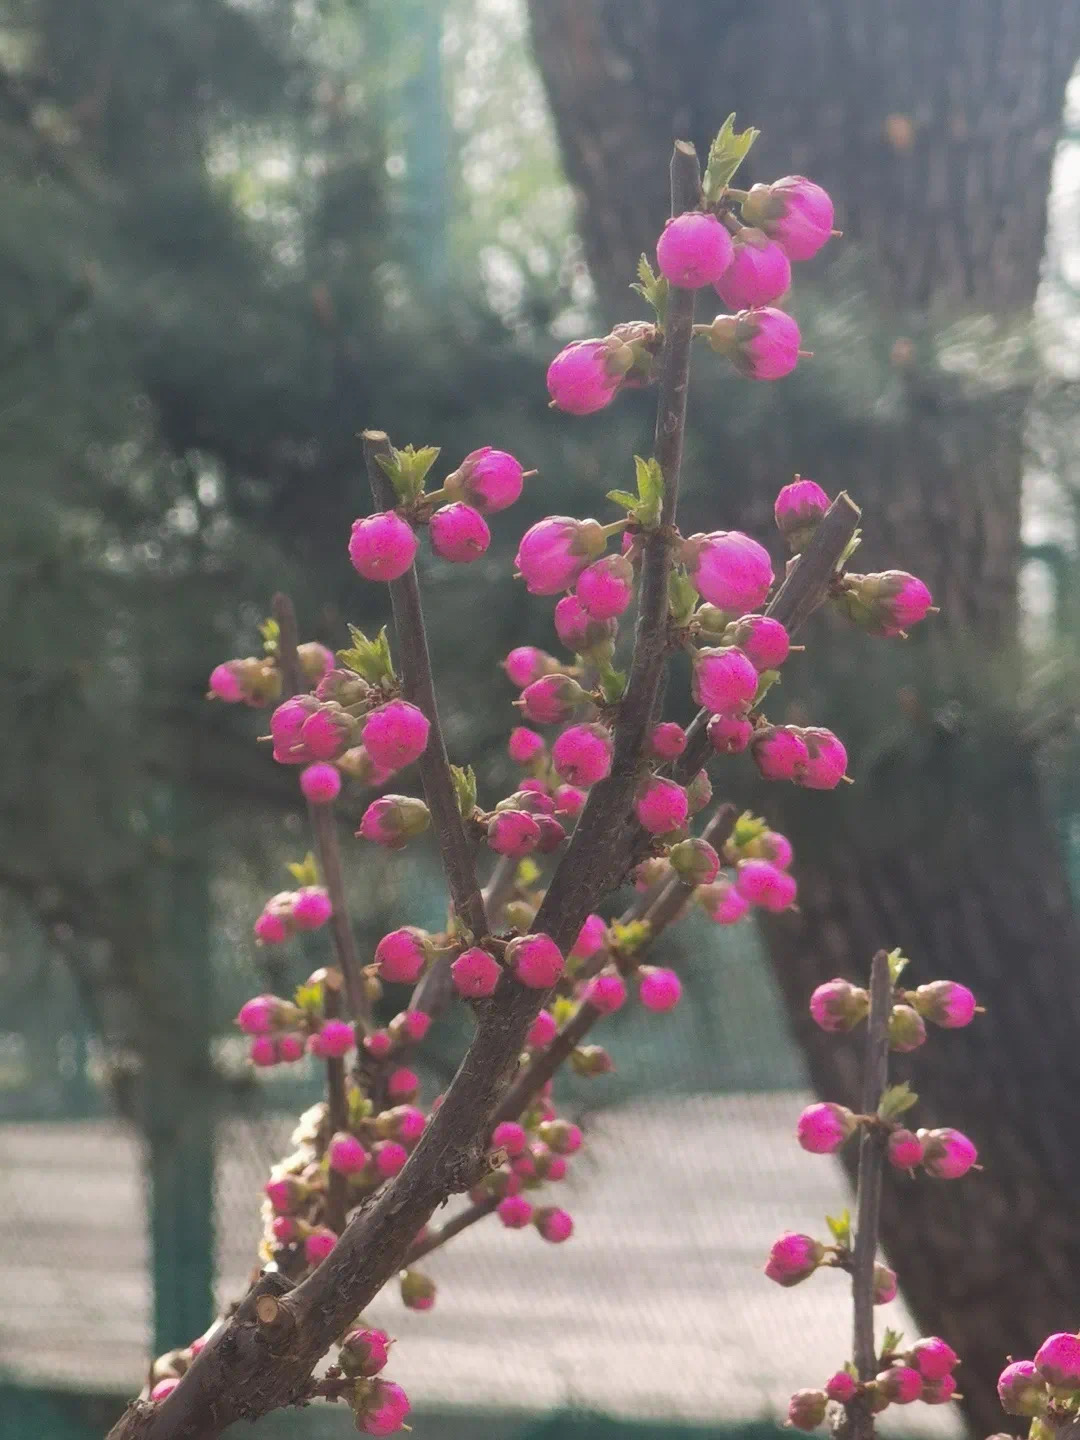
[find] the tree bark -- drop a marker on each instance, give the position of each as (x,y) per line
(934,127)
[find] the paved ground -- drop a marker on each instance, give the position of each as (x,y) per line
(657,1307)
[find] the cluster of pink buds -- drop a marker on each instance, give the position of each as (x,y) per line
(256,680)
(838,1006)
(1047,1389)
(282,1031)
(533,1152)
(756,874)
(922,1372)
(292,911)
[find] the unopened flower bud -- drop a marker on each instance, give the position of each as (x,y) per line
(488,480)
(311,907)
(417,1290)
(581,633)
(382,546)
(660,805)
(693,250)
(403,954)
(318,1244)
(605,992)
(905,1150)
(793,1258)
(722,901)
(585,376)
(524,745)
(606,587)
(838,1006)
(933,1358)
(806,1409)
(458,533)
(658,989)
(779,752)
(475,973)
(1058,1361)
(763,641)
(396,734)
(527,663)
(345,1154)
(826,760)
(823,1128)
(945,1003)
(1021,1389)
(393,820)
(884,1284)
(728,569)
(885,604)
(591,1060)
(900,1384)
(536,960)
(794,212)
(381,1407)
(551,699)
(364,1352)
(320,783)
(760,272)
(694,861)
(761,344)
(582,754)
(667,741)
(799,509)
(698,792)
(555,551)
(724,681)
(906,1029)
(553,1224)
(514,1211)
(764,885)
(513,832)
(841,1387)
(948,1154)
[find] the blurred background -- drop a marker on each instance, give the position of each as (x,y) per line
(235,232)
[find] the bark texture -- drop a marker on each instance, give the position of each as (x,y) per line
(934,128)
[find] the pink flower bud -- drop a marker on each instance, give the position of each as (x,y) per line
(488,480)
(536,960)
(415,1024)
(906,1029)
(724,681)
(667,741)
(358,765)
(542,1031)
(1058,1360)
(508,1135)
(798,510)
(938,1392)
(884,604)
(417,1291)
(762,640)
(606,587)
(806,1409)
(393,820)
(1021,1389)
(475,973)
(526,664)
(838,1006)
(551,699)
(561,1136)
(408,1122)
(364,1352)
(590,938)
(284,1229)
(948,1153)
(761,344)
(759,273)
(318,1244)
(334,1039)
(606,993)
(164,1387)
(552,835)
(884,1284)
(658,989)
(390,1157)
(722,902)
(458,533)
(698,792)
(316,661)
(794,212)
(379,1044)
(320,783)
(777,848)
(569,801)
(259,1015)
(513,833)
(385,1406)
(826,761)
(225,682)
(694,861)
(286,1194)
(779,752)
(728,569)
(554,1168)
(933,1358)
(290,1048)
(524,745)
(900,1384)
(514,1211)
(580,379)
(823,1128)
(286,723)
(580,632)
(402,955)
(396,734)
(841,1387)
(660,806)
(554,1225)
(382,547)
(693,250)
(402,1085)
(345,1154)
(905,1150)
(946,1003)
(327,732)
(311,908)
(763,884)
(729,734)
(555,551)
(582,754)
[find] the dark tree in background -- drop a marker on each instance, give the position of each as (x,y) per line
(934,127)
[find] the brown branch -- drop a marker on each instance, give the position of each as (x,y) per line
(455,847)
(478,1210)
(868,1199)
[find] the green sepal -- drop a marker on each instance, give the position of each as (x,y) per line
(652,288)
(726,154)
(464,788)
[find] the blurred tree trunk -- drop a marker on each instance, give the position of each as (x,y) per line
(934,128)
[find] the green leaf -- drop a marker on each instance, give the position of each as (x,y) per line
(652,288)
(408,469)
(630,937)
(726,154)
(304,872)
(897,965)
(309,998)
(650,484)
(748,828)
(896,1100)
(612,682)
(623,498)
(369,658)
(682,597)
(766,680)
(840,1227)
(360,1107)
(528,872)
(464,789)
(890,1344)
(270,631)
(562,1008)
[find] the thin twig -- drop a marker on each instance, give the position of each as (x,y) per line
(455,847)
(478,1210)
(868,1199)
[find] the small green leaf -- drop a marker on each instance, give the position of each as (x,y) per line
(528,872)
(897,965)
(652,288)
(408,469)
(630,937)
(360,1107)
(623,498)
(464,789)
(650,483)
(270,631)
(612,682)
(896,1101)
(309,998)
(890,1344)
(562,1008)
(682,597)
(748,828)
(766,680)
(304,872)
(370,659)
(726,154)
(840,1227)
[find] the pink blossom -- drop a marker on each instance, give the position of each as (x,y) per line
(590,938)
(536,960)
(728,569)
(667,741)
(841,1387)
(364,1352)
(582,754)
(1021,1389)
(658,989)
(823,1128)
(798,510)
(694,861)
(524,745)
(320,783)
(393,820)
(513,832)
(290,1048)
(385,1408)
(552,835)
(698,792)
(284,1229)
(933,1358)
(488,480)
(555,1168)
(526,663)
(806,1409)
(508,1135)
(542,1031)
(396,734)
(402,955)
(761,344)
(777,848)
(905,1150)
(948,1153)
(884,1284)
(581,632)
(327,732)
(551,699)
(554,1225)
(661,806)
(900,1384)
(259,1015)
(906,1029)
(272,926)
(826,762)
(390,1157)
(581,380)
(345,1154)
(763,884)
(723,902)
(729,734)
(555,551)
(225,682)
(693,250)
(475,973)
(884,604)
(263,1051)
(606,587)
(605,992)
(724,681)
(286,723)
(334,1039)
(458,533)
(838,1006)
(318,1244)
(514,1211)
(946,1003)
(793,1258)
(763,641)
(382,547)
(759,273)
(414,1023)
(379,1044)
(311,908)
(286,1193)
(409,1123)
(794,212)
(939,1392)
(779,752)
(402,1084)
(569,801)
